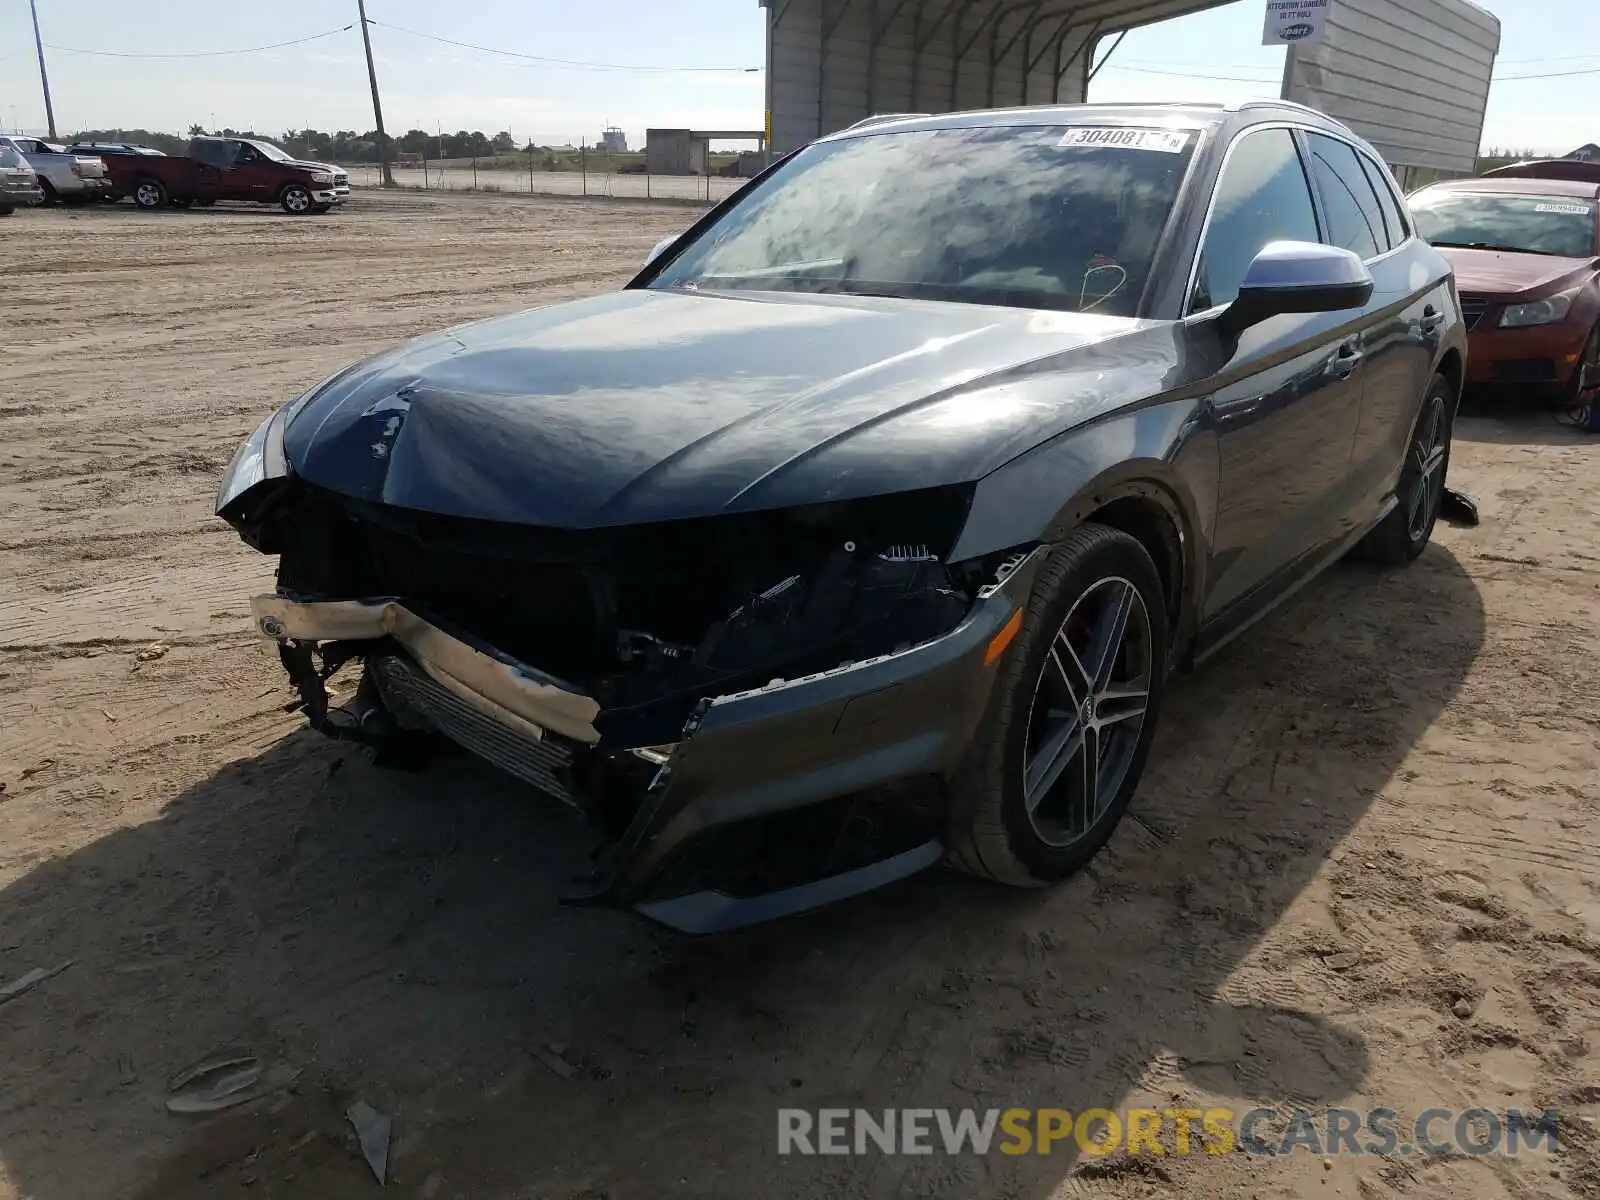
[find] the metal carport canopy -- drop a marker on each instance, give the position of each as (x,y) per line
(832,62)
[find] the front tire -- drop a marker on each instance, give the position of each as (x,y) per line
(1586,375)
(1061,749)
(1402,536)
(150,194)
(296,200)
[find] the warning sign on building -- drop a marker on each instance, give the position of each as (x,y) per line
(1291,22)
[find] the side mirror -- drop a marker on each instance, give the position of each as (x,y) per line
(1297,277)
(657,249)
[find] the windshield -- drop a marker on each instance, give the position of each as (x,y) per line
(1063,217)
(272,152)
(1562,225)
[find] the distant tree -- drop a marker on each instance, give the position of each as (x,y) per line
(502,143)
(196,130)
(1494,157)
(167,143)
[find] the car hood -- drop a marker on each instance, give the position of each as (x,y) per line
(652,405)
(306,165)
(1502,275)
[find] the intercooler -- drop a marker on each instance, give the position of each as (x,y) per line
(408,691)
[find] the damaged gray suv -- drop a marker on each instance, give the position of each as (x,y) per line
(862,529)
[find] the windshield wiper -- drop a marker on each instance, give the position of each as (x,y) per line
(1497,246)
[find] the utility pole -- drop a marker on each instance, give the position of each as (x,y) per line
(44,77)
(377,106)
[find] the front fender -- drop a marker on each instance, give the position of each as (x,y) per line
(1164,452)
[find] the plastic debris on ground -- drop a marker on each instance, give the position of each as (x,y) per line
(372,1132)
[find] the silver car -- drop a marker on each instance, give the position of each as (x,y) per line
(73,178)
(19,183)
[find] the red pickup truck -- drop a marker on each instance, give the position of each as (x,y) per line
(229,168)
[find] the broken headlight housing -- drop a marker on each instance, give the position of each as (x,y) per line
(260,458)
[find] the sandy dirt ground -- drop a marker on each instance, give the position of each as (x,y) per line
(1377,813)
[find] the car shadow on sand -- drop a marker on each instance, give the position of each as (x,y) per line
(393,938)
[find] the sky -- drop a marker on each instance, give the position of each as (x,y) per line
(321,83)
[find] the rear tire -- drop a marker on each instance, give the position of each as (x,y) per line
(1403,535)
(6,210)
(49,189)
(1063,744)
(150,194)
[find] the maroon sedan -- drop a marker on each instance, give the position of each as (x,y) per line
(1526,253)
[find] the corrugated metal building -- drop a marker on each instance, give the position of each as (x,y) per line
(832,62)
(1412,76)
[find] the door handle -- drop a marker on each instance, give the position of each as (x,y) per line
(1344,361)
(1432,318)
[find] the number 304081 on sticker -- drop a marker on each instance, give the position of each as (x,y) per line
(1121,137)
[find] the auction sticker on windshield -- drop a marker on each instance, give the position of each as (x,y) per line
(1120,137)
(1575,210)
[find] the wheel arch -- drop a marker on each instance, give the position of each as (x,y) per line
(1144,501)
(1453,366)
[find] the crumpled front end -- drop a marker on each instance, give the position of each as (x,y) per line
(756,710)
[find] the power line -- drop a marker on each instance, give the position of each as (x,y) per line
(1549,58)
(1187,74)
(202,53)
(1546,75)
(1504,62)
(561,62)
(1263,79)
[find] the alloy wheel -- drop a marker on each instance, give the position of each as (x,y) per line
(147,195)
(297,200)
(1089,706)
(1426,468)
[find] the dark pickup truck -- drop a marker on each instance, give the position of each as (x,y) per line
(226,168)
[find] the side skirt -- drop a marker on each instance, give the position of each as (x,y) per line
(1340,549)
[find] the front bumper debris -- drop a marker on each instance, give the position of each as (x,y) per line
(771,753)
(522,699)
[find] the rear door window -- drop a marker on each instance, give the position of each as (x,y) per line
(1262,196)
(1355,219)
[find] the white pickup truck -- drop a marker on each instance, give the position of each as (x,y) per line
(71,178)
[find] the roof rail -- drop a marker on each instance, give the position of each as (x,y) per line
(1239,105)
(880,118)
